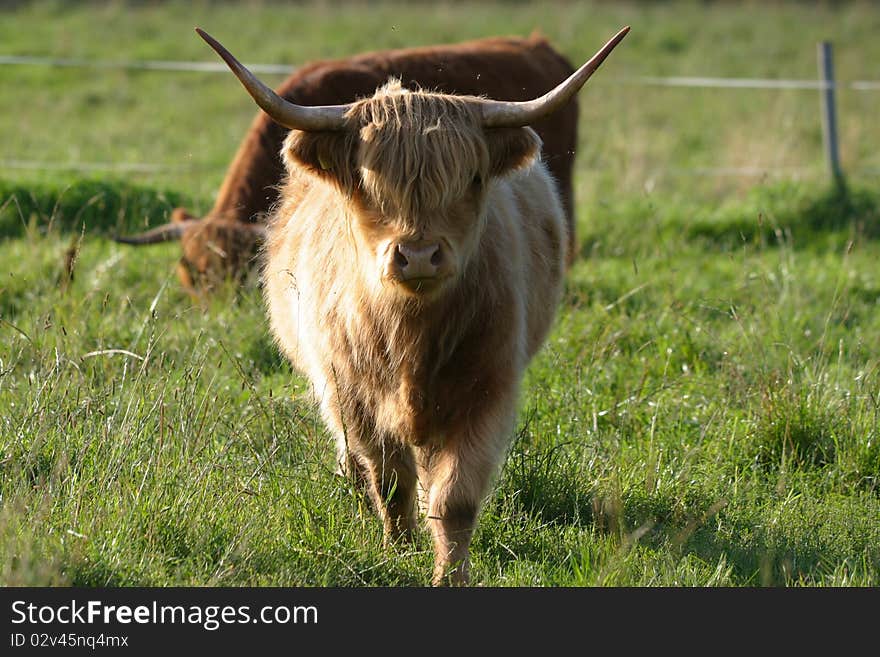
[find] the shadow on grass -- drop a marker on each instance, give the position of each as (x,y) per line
(97,573)
(806,214)
(799,549)
(265,357)
(108,207)
(543,493)
(793,214)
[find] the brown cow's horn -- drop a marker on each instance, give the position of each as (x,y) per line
(497,114)
(164,233)
(290,115)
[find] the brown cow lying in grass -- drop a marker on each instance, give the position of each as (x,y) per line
(413,268)
(226,241)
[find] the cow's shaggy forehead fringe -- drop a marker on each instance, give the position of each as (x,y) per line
(419,151)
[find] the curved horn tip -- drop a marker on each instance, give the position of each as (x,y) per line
(217,46)
(617,38)
(288,114)
(511,114)
(211,41)
(221,50)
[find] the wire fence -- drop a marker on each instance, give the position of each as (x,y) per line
(141,65)
(281,69)
(826,84)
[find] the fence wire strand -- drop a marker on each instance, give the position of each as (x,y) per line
(281,69)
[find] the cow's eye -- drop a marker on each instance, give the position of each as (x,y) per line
(477,181)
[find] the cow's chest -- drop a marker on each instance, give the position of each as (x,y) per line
(413,385)
(418,401)
(414,404)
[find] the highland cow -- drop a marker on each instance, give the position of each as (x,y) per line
(226,241)
(413,269)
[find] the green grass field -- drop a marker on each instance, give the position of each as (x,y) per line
(705,412)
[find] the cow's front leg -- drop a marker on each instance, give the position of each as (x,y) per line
(391,482)
(456,476)
(382,466)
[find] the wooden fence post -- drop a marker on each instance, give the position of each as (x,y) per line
(829,110)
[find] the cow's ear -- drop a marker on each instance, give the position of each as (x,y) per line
(329,155)
(511,149)
(180,215)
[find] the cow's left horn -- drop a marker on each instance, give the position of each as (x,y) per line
(498,114)
(290,115)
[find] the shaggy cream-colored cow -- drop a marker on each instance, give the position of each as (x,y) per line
(412,270)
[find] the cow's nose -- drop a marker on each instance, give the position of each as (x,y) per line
(418,260)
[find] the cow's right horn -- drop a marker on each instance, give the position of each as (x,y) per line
(164,233)
(290,115)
